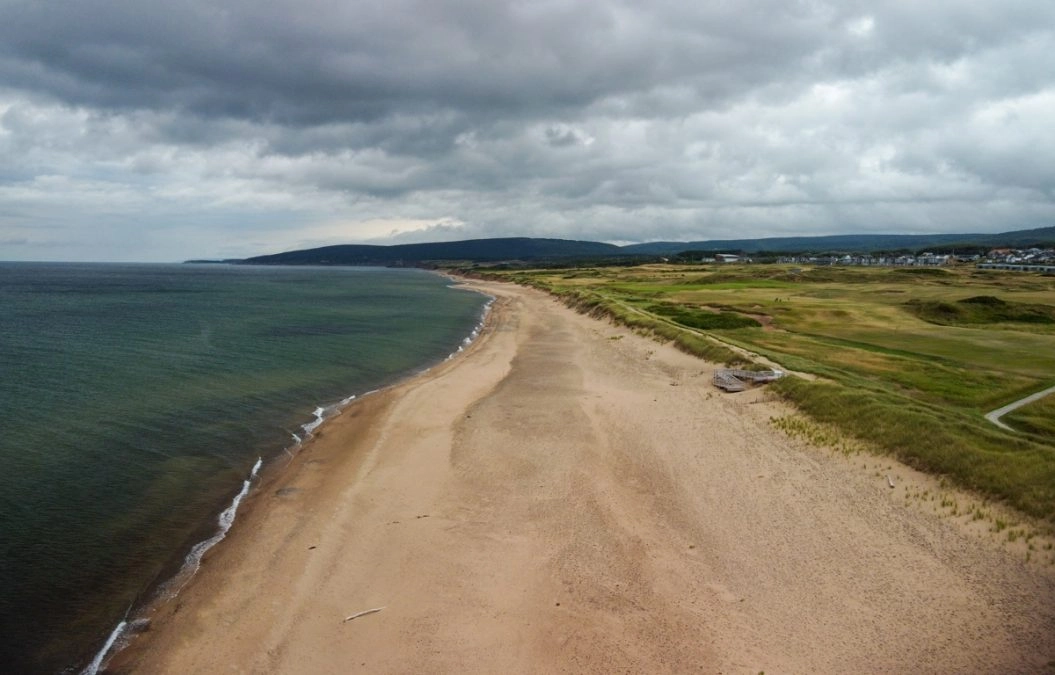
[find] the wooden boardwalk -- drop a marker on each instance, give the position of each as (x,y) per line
(733,379)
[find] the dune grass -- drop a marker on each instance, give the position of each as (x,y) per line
(598,305)
(897,367)
(981,309)
(707,320)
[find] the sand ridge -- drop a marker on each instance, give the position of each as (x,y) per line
(567,496)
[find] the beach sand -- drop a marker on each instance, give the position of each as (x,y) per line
(566,496)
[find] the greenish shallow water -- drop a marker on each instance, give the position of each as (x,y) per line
(135,399)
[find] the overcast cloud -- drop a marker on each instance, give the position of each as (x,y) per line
(200,128)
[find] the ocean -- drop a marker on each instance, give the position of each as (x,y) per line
(138,401)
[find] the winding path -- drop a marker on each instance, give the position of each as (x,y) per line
(995,416)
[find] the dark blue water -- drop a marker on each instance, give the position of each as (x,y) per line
(135,400)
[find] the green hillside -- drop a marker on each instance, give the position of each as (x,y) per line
(565,251)
(476,250)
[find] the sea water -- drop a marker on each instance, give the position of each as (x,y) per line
(138,401)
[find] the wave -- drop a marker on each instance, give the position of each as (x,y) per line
(320,415)
(97,662)
(191,564)
(477,329)
(193,560)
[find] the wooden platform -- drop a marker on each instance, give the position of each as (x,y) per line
(732,379)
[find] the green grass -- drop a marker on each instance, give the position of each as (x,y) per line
(898,368)
(695,318)
(981,309)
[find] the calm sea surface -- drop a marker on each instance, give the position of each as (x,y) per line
(136,399)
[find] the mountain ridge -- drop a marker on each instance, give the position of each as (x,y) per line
(533,249)
(475,250)
(851,242)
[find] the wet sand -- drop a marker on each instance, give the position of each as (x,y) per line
(566,496)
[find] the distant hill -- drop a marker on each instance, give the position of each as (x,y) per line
(564,251)
(1020,238)
(475,250)
(849,242)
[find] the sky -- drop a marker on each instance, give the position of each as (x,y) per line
(148,131)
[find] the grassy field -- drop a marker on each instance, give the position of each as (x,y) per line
(906,359)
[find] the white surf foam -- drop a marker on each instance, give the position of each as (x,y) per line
(190,566)
(193,560)
(475,332)
(320,414)
(97,662)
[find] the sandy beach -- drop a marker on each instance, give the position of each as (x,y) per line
(566,496)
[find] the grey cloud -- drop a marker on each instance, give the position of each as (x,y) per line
(560,137)
(308,63)
(618,120)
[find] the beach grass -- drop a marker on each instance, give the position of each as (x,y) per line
(907,360)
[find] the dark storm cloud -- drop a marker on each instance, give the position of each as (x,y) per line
(306,63)
(615,120)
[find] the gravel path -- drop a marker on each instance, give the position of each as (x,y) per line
(995,416)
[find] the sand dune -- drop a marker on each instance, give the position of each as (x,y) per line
(569,497)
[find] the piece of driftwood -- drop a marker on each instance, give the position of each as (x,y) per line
(362,613)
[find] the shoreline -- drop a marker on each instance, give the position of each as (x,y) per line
(273,477)
(567,495)
(265,471)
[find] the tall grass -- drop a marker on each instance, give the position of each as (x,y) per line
(981,309)
(702,319)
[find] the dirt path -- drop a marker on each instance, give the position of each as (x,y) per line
(569,497)
(995,416)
